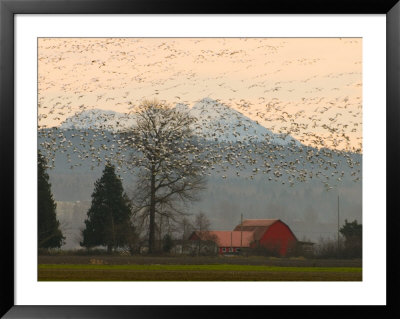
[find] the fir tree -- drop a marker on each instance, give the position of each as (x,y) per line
(352,232)
(108,220)
(49,233)
(168,243)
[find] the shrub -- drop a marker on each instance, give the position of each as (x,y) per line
(262,250)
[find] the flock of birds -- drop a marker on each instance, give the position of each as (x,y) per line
(248,151)
(317,136)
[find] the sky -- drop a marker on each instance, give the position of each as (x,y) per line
(310,88)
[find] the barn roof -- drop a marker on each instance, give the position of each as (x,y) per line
(228,238)
(257,226)
(250,230)
(258,222)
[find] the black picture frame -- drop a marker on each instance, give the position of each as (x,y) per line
(8,8)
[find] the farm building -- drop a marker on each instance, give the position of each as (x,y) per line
(271,234)
(226,241)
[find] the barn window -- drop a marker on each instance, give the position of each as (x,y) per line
(230,249)
(237,249)
(223,249)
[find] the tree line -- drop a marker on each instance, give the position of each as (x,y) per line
(110,220)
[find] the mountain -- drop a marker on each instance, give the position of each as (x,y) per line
(218,121)
(97,119)
(215,121)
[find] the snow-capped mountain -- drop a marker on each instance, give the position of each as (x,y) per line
(218,121)
(215,122)
(97,119)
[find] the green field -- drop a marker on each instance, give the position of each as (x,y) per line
(202,272)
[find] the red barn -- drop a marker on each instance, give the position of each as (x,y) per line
(272,234)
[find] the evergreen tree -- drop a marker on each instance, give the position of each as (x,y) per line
(168,243)
(108,220)
(49,233)
(352,232)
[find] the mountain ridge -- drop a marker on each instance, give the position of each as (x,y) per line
(215,121)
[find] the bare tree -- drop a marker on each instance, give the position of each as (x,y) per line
(170,160)
(201,222)
(185,229)
(205,238)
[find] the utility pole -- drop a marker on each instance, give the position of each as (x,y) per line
(338,223)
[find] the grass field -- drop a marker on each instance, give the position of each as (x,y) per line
(194,272)
(197,260)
